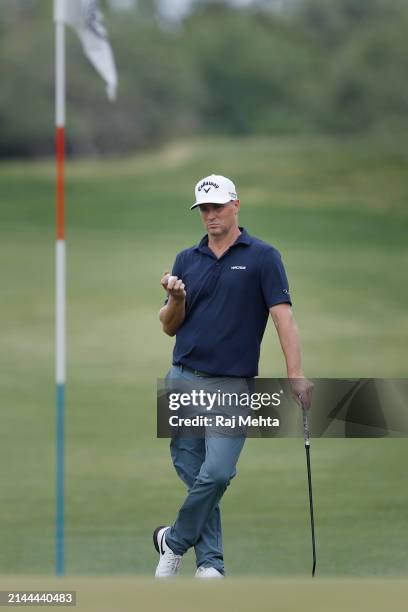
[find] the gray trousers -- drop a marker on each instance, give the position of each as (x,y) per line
(206,465)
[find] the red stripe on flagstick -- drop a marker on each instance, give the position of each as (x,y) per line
(60,204)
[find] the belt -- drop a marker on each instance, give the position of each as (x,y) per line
(196,372)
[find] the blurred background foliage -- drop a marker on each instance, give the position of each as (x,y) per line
(256,68)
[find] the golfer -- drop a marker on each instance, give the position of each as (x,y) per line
(219,296)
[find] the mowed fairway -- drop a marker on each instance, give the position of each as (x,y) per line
(337,212)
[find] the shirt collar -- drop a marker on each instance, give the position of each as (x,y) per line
(243,238)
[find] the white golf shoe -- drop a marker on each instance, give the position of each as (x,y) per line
(169,563)
(208,572)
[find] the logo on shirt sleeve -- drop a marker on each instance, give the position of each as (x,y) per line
(238,267)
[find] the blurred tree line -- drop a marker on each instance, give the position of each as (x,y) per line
(326,66)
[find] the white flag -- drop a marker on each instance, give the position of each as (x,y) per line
(87,20)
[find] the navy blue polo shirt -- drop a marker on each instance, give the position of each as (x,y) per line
(227,304)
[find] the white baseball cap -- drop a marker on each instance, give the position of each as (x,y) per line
(214,189)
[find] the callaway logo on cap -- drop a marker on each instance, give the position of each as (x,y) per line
(214,189)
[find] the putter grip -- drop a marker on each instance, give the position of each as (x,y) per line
(306,432)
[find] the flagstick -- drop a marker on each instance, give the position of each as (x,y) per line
(98,51)
(60,289)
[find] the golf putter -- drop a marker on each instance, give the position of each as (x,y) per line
(306,435)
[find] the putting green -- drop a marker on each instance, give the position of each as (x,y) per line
(337,211)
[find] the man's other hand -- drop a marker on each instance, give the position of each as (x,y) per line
(302,391)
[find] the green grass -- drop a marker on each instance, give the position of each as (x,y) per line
(337,211)
(105,594)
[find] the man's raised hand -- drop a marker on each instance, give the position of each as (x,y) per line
(174,287)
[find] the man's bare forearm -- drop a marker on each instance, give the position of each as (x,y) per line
(288,333)
(172,315)
(289,339)
(290,343)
